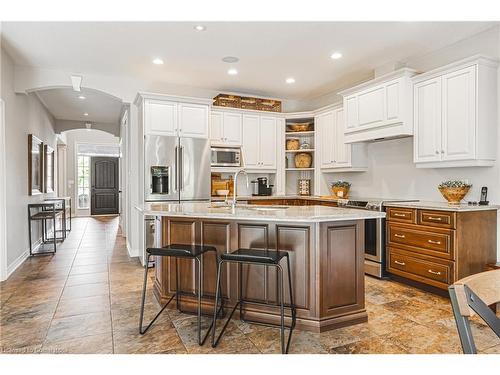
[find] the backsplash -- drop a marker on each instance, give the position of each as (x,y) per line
(392,174)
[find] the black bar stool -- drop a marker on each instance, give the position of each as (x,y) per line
(264,258)
(177,251)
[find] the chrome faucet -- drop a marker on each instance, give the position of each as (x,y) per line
(233,203)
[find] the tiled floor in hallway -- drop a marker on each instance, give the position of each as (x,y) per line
(86,299)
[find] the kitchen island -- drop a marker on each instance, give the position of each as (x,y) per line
(326,254)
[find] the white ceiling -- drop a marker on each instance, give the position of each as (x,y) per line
(64,104)
(269,52)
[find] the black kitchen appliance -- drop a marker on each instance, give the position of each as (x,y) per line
(261,187)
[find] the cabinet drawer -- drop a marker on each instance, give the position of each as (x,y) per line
(440,219)
(434,243)
(422,270)
(403,215)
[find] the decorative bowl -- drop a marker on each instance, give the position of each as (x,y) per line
(340,192)
(454,194)
(303,160)
(300,126)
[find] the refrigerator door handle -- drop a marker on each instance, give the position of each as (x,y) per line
(176,172)
(181,168)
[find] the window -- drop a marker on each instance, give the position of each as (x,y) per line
(83,166)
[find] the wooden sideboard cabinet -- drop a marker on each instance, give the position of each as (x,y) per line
(437,248)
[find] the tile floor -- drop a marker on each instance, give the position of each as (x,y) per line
(86,299)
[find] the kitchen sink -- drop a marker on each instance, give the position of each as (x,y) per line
(265,208)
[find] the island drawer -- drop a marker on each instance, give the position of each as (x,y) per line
(440,219)
(413,238)
(419,269)
(403,215)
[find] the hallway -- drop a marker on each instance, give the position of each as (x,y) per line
(86,298)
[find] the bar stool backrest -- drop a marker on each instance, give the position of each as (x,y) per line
(472,295)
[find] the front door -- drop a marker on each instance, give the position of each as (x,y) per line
(104,186)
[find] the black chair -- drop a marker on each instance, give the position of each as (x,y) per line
(263,258)
(177,251)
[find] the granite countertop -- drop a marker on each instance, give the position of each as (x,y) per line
(442,206)
(273,197)
(305,214)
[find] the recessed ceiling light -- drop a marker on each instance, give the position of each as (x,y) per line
(200,28)
(232,72)
(290,80)
(230,59)
(158,61)
(85,114)
(81,97)
(336,55)
(76,82)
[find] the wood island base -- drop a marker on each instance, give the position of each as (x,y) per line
(326,258)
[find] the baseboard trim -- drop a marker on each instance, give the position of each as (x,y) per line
(16,263)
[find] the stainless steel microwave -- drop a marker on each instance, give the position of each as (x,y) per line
(226,157)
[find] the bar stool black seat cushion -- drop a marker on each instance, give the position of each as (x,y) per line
(177,250)
(255,256)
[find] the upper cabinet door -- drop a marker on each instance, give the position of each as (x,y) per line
(160,117)
(232,129)
(193,120)
(371,107)
(268,142)
(342,151)
(251,140)
(459,114)
(325,123)
(216,130)
(427,120)
(352,119)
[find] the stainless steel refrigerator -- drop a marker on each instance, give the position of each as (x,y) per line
(177,169)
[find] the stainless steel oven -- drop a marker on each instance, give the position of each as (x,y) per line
(226,157)
(375,247)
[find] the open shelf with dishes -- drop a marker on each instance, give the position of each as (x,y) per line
(299,155)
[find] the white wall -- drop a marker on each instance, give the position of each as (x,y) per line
(24,114)
(81,136)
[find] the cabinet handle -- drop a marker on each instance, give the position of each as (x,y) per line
(399,215)
(434,272)
(434,242)
(434,218)
(437,152)
(442,151)
(400,263)
(399,235)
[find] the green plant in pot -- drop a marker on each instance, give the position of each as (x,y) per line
(454,190)
(340,189)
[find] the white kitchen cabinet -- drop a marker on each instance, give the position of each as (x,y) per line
(193,120)
(225,129)
(160,117)
(216,128)
(455,115)
(427,140)
(380,108)
(334,153)
(259,146)
(268,142)
(171,118)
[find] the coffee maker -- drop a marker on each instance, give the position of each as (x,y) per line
(261,187)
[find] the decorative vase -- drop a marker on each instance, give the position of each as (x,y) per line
(292,144)
(303,160)
(454,194)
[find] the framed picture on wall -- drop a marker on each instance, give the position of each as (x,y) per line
(35,165)
(48,169)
